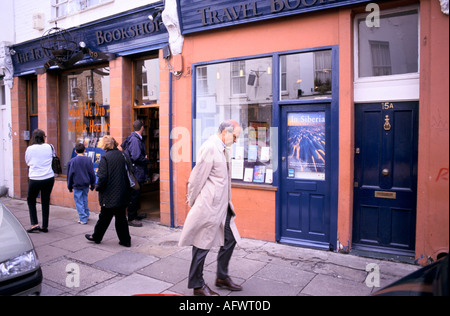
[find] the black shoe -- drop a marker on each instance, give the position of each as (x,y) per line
(134,223)
(89,237)
(125,244)
(44,230)
(141,216)
(34,229)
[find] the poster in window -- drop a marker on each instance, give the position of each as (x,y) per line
(306,145)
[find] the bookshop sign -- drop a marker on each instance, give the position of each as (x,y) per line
(197,16)
(126,33)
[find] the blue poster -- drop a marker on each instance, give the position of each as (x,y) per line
(306,145)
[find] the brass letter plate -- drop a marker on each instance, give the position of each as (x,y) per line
(386,195)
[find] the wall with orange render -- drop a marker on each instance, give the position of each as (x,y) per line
(255,208)
(432,237)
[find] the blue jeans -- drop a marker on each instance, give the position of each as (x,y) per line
(81,201)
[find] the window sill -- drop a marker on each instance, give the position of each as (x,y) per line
(251,186)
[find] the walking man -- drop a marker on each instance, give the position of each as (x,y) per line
(134,147)
(210,221)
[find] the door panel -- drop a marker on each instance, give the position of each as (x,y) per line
(385,176)
(305,189)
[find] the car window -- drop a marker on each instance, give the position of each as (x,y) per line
(13,237)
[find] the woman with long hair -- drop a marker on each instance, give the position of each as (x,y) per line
(38,157)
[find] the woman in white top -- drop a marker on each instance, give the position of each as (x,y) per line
(38,157)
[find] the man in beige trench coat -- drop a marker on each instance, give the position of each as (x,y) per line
(210,222)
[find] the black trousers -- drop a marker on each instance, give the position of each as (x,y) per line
(223,258)
(104,219)
(45,187)
(135,203)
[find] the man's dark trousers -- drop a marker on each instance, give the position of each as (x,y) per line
(135,203)
(223,258)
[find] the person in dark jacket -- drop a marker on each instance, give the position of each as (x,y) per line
(81,176)
(113,189)
(134,147)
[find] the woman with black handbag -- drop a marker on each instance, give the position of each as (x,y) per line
(39,157)
(113,189)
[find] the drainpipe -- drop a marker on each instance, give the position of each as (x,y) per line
(172,219)
(171,21)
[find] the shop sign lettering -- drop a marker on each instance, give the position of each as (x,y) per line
(124,33)
(252,9)
(83,119)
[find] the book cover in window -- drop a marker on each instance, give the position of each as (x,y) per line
(306,145)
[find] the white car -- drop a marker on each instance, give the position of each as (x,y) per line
(20,271)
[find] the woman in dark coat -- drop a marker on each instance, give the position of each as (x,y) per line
(113,190)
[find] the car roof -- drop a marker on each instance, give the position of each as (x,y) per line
(14,240)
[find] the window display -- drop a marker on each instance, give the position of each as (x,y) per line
(84,112)
(242,91)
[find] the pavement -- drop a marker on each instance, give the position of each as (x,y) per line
(155,264)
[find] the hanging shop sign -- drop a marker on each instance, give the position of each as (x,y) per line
(123,34)
(197,16)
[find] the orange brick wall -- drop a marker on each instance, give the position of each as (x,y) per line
(19,119)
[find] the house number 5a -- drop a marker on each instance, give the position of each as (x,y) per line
(387,105)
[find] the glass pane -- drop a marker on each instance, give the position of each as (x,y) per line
(306,75)
(391,48)
(306,145)
(146,78)
(85,120)
(33,97)
(241,91)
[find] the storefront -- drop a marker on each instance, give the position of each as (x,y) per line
(331,96)
(83,83)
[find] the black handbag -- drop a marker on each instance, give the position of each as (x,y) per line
(134,184)
(56,162)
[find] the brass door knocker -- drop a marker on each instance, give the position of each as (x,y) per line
(387,125)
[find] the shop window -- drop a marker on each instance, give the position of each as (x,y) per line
(84,112)
(306,75)
(146,82)
(392,47)
(242,91)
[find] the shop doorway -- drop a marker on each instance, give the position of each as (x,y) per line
(305,176)
(385,187)
(150,199)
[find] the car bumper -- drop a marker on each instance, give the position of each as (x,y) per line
(28,284)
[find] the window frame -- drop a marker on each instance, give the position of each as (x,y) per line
(397,87)
(273,138)
(135,83)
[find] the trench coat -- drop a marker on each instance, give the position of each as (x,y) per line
(209,196)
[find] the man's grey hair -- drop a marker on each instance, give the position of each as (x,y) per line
(228,125)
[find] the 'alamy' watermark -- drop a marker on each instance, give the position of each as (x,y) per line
(373,18)
(373,277)
(73,275)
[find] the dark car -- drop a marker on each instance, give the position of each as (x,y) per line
(20,271)
(431,280)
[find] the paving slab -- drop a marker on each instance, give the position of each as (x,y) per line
(125,262)
(87,275)
(135,284)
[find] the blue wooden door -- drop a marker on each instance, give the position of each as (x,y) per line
(385,187)
(305,175)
